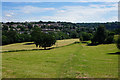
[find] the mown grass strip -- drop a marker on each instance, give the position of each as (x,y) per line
(38,49)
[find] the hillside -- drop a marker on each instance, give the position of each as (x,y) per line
(73,61)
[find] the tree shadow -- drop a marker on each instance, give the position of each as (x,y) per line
(83,42)
(44,49)
(27,50)
(28,43)
(90,44)
(116,53)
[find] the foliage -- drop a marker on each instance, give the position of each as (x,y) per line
(63,30)
(84,36)
(74,34)
(47,40)
(5,40)
(5,27)
(35,33)
(100,35)
(109,39)
(31,45)
(42,39)
(103,36)
(9,37)
(118,42)
(81,38)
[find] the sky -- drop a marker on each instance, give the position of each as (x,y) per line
(60,0)
(76,12)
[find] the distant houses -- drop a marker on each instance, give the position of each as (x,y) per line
(21,28)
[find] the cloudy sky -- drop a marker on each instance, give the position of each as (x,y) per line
(76,12)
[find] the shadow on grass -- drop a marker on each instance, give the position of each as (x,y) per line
(83,42)
(116,53)
(27,50)
(44,49)
(39,49)
(28,43)
(92,44)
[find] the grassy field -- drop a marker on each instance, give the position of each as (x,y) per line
(73,61)
(30,45)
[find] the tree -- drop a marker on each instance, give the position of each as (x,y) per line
(85,36)
(48,40)
(42,39)
(11,36)
(5,27)
(81,38)
(5,40)
(30,26)
(118,42)
(35,33)
(73,34)
(110,37)
(100,35)
(23,37)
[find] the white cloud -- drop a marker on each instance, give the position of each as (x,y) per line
(61,11)
(92,13)
(9,14)
(32,9)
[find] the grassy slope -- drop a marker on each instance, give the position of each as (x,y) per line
(74,61)
(21,46)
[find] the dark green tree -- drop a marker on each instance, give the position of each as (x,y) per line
(11,36)
(5,27)
(30,26)
(118,42)
(35,33)
(81,38)
(5,40)
(42,39)
(100,35)
(73,34)
(110,37)
(48,40)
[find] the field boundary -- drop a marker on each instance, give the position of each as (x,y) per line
(39,49)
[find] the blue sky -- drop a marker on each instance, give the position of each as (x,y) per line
(60,0)
(60,11)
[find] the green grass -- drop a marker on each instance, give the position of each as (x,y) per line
(73,61)
(23,46)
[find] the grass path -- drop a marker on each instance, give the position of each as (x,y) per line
(92,61)
(73,61)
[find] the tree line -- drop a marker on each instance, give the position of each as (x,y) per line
(97,35)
